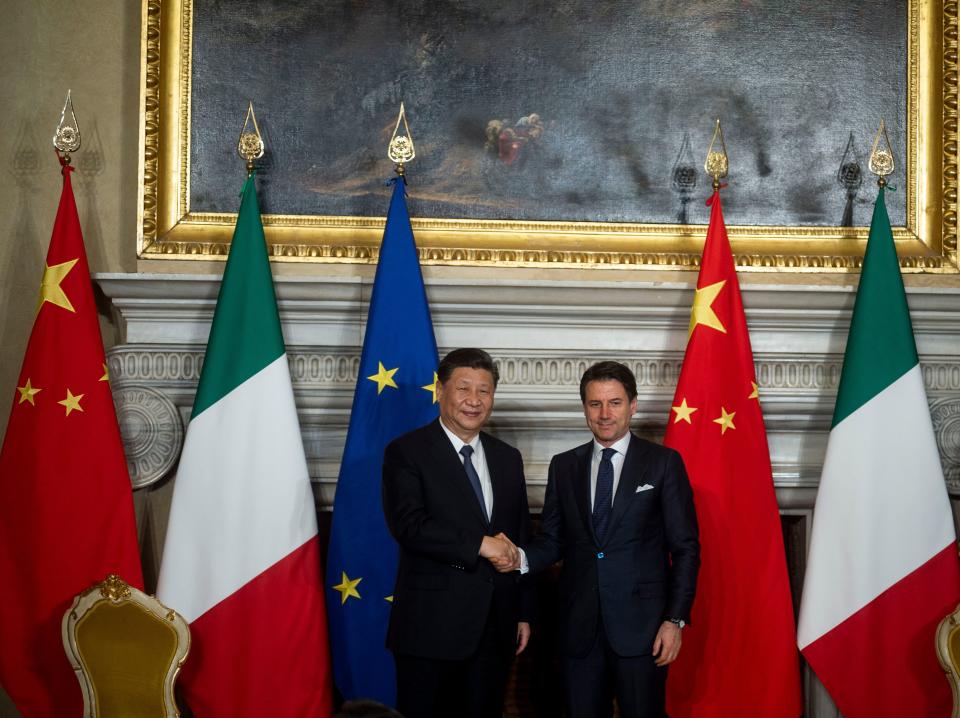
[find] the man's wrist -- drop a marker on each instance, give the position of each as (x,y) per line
(678,622)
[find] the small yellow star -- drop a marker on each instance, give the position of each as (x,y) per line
(389,598)
(683,412)
(71,402)
(432,388)
(50,289)
(755,394)
(28,392)
(106,374)
(383,377)
(347,587)
(702,310)
(725,420)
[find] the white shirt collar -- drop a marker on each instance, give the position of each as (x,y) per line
(620,445)
(459,443)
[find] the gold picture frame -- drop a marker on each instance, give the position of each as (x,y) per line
(168,229)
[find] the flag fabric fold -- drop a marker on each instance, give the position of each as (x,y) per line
(66,506)
(739,656)
(395,393)
(882,569)
(241,561)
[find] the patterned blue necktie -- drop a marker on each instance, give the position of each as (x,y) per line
(603,499)
(467,451)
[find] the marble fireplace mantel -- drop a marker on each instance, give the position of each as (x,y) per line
(544,333)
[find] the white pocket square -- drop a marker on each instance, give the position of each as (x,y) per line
(644,487)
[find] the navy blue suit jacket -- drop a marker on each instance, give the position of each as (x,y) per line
(646,568)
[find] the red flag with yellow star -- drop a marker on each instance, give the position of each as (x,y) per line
(66,506)
(739,654)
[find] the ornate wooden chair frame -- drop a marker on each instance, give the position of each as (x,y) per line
(948,651)
(115,593)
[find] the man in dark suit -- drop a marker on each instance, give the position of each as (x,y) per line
(619,512)
(450,493)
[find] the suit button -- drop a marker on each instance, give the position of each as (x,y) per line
(600,555)
(489,580)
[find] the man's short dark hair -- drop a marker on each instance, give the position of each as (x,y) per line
(607,371)
(467,358)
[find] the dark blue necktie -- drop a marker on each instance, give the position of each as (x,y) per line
(603,499)
(467,451)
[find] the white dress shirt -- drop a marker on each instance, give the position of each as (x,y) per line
(479,461)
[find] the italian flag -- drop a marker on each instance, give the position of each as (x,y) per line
(241,561)
(882,569)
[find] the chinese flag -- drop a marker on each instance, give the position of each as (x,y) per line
(66,506)
(739,655)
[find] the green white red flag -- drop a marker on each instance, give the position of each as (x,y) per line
(882,570)
(241,562)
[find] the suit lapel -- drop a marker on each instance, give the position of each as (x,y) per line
(450,467)
(581,486)
(630,476)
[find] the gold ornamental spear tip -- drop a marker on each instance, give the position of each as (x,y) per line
(401,149)
(881,156)
(67,137)
(250,144)
(717,163)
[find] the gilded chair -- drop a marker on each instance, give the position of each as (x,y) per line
(948,651)
(126,649)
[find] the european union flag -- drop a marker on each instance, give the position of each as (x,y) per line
(396,392)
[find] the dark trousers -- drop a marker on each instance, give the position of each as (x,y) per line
(472,688)
(591,682)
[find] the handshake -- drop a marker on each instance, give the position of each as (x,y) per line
(501,552)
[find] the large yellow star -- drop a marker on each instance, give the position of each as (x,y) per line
(432,388)
(702,310)
(50,289)
(28,392)
(725,420)
(683,412)
(71,402)
(347,587)
(755,394)
(383,377)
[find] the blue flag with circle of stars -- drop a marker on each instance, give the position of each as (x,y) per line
(395,394)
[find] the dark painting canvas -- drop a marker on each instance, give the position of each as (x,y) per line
(566,111)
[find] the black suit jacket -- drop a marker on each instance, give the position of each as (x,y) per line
(445,592)
(646,568)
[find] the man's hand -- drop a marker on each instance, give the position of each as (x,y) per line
(500,551)
(523,636)
(666,646)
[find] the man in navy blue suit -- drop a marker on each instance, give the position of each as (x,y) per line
(619,512)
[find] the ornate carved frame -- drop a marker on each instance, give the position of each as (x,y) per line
(928,243)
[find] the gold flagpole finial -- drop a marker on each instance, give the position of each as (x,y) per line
(67,137)
(881,156)
(401,150)
(250,144)
(717,163)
